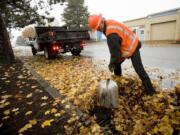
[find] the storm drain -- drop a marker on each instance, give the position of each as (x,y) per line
(104,117)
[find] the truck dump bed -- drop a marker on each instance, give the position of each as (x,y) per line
(61,33)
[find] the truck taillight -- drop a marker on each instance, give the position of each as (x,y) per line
(55,47)
(83,43)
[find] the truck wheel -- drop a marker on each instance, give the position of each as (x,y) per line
(76,52)
(47,53)
(33,50)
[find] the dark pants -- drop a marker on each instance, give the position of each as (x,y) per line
(138,66)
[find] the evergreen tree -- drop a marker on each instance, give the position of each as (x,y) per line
(75,14)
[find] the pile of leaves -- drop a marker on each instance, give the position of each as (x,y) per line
(139,113)
(77,78)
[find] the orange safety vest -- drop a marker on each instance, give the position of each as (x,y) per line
(129,39)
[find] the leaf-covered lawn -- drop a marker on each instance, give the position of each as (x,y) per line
(77,78)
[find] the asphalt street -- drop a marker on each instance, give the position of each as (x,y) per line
(160,56)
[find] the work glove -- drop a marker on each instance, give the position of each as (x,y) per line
(111,67)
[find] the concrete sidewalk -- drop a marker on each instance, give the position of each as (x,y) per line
(30,106)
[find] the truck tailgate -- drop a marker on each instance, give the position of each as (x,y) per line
(72,35)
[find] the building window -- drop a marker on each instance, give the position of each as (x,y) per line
(134,31)
(142,31)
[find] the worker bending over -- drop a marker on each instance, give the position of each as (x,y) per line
(122,43)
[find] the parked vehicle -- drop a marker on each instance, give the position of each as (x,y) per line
(55,40)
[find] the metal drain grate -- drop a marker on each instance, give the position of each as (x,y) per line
(104,117)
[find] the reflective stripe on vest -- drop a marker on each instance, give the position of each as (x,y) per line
(127,34)
(121,30)
(131,46)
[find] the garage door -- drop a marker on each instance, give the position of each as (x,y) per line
(163,31)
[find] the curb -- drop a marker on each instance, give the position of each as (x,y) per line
(52,91)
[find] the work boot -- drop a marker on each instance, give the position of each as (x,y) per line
(148,87)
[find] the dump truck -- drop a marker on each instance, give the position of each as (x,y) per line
(55,40)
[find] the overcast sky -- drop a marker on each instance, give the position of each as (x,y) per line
(123,10)
(129,9)
(120,10)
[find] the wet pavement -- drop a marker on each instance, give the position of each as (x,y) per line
(165,56)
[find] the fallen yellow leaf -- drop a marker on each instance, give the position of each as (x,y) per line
(29,95)
(47,123)
(8,81)
(15,109)
(1,124)
(63,101)
(28,113)
(4,104)
(3,101)
(6,96)
(67,106)
(57,114)
(33,122)
(94,128)
(53,110)
(16,113)
(47,112)
(44,98)
(6,112)
(5,118)
(33,87)
(29,103)
(20,77)
(71,120)
(26,127)
(160,95)
(43,104)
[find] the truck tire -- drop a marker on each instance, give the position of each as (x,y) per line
(33,50)
(76,52)
(47,53)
